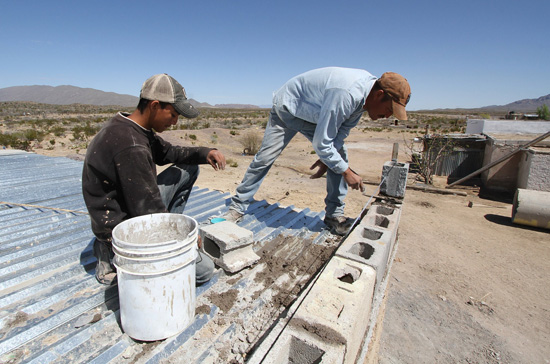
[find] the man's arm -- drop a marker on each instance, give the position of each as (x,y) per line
(216,159)
(137,182)
(352,179)
(333,126)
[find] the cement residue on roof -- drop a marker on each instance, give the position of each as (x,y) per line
(51,307)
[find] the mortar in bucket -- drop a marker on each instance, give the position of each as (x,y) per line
(155,260)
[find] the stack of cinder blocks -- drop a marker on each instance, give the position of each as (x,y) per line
(331,319)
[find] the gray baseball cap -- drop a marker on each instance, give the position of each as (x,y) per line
(165,88)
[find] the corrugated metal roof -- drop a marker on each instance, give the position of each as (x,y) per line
(51,307)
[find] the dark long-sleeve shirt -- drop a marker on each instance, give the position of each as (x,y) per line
(119,178)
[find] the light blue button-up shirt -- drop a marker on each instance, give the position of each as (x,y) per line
(332,98)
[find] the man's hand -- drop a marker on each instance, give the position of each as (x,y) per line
(353,180)
(216,159)
(322,169)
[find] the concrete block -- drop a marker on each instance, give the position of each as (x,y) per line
(372,241)
(394,176)
(229,245)
(299,346)
(381,216)
(368,245)
(337,308)
(227,235)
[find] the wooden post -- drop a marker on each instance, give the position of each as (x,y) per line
(395,152)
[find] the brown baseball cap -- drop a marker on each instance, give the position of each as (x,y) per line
(397,87)
(165,88)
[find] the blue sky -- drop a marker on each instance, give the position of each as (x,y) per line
(454,53)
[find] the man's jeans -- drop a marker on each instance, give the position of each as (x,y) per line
(281,128)
(175,185)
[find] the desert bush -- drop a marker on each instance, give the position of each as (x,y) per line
(543,112)
(435,148)
(84,131)
(58,131)
(33,134)
(16,141)
(232,163)
(373,129)
(251,142)
(192,136)
(190,125)
(6,139)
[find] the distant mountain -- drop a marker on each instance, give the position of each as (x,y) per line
(66,95)
(523,106)
(236,106)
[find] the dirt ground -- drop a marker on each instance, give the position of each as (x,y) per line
(466,285)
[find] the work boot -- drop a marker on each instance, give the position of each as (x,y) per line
(338,224)
(105,271)
(232,216)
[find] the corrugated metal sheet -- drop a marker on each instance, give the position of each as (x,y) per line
(465,158)
(50,303)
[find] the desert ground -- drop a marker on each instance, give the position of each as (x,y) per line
(466,285)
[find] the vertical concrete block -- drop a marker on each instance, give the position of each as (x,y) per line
(394,179)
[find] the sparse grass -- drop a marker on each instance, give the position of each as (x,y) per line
(81,123)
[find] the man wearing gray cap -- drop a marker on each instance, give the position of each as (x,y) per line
(119,179)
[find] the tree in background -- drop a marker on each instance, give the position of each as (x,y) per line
(543,112)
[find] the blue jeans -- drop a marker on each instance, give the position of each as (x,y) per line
(281,128)
(175,185)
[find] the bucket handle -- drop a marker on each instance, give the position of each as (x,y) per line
(155,273)
(152,274)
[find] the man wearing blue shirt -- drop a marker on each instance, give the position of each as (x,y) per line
(323,105)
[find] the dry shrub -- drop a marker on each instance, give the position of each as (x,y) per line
(251,142)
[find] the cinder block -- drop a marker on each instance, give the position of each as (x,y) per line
(300,346)
(229,245)
(368,245)
(337,308)
(227,235)
(383,217)
(394,179)
(372,241)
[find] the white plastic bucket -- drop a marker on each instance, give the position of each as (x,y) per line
(156,282)
(155,232)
